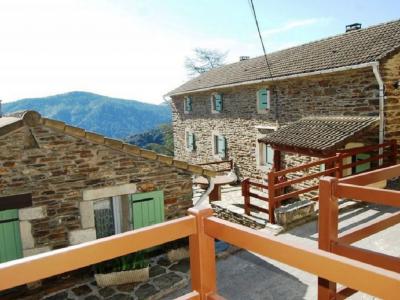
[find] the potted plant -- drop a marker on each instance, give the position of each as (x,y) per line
(125,269)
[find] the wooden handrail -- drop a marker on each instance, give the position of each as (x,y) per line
(331,189)
(368,194)
(304,178)
(305,166)
(352,151)
(386,284)
(33,268)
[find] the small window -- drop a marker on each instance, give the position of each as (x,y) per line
(190,141)
(263,100)
(219,143)
(216,103)
(187,104)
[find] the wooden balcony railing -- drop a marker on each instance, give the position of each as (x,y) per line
(202,229)
(354,187)
(334,166)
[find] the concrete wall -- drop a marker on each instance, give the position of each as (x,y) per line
(346,93)
(64,173)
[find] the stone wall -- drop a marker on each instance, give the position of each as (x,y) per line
(346,93)
(59,169)
(390,70)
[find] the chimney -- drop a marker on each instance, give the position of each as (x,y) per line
(244,58)
(352,27)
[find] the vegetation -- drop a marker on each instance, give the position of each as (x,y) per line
(112,117)
(159,139)
(133,261)
(204,60)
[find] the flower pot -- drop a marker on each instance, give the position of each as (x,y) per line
(122,277)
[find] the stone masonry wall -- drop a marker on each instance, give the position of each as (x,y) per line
(57,168)
(390,70)
(346,93)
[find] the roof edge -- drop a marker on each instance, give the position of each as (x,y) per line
(126,148)
(296,75)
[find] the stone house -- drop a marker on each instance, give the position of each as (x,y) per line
(61,185)
(228,112)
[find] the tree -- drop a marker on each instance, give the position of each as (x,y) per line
(204,60)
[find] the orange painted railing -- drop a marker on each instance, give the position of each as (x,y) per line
(202,229)
(354,187)
(334,166)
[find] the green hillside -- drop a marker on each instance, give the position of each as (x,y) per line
(112,117)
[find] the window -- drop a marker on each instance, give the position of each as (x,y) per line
(190,140)
(265,156)
(113,215)
(216,103)
(187,104)
(263,100)
(219,145)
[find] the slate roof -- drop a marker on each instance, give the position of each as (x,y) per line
(18,120)
(320,134)
(351,48)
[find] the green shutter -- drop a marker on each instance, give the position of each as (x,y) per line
(10,237)
(363,167)
(270,156)
(218,102)
(263,99)
(147,209)
(221,146)
(191,142)
(188,103)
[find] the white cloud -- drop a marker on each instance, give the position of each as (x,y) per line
(292,25)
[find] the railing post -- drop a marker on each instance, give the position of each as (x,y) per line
(327,229)
(246,195)
(202,256)
(271,197)
(339,166)
(394,150)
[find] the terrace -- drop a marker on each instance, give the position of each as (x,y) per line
(202,228)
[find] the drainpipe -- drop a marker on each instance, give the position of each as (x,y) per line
(203,197)
(375,69)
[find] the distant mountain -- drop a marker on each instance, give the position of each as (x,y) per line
(159,139)
(112,117)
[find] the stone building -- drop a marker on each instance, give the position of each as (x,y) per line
(224,112)
(61,185)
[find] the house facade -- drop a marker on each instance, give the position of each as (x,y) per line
(223,113)
(61,186)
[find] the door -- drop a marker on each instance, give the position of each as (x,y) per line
(147,208)
(10,237)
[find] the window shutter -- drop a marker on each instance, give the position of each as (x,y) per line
(270,156)
(363,167)
(218,102)
(147,209)
(188,103)
(10,238)
(221,146)
(191,141)
(263,99)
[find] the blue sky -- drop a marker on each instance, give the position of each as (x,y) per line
(136,49)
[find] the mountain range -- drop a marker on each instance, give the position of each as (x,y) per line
(113,117)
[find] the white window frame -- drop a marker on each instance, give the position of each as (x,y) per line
(214,136)
(213,111)
(187,132)
(185,99)
(263,111)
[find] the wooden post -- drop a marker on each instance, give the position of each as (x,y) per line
(339,166)
(327,229)
(246,195)
(394,149)
(277,160)
(271,197)
(202,256)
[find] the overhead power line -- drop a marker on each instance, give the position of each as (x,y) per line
(253,10)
